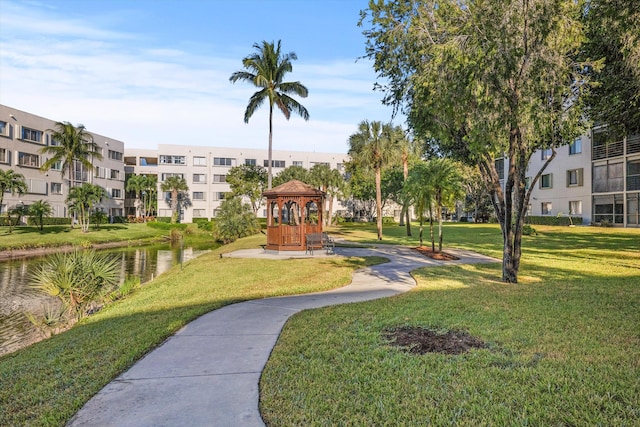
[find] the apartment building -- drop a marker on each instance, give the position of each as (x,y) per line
(596,177)
(22,136)
(205,170)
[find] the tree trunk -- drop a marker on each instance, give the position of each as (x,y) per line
(269,176)
(402,210)
(379,202)
(330,216)
(408,221)
(421,222)
(433,241)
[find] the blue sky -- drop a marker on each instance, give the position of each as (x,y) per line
(157,72)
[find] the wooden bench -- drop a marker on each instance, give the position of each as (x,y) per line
(319,241)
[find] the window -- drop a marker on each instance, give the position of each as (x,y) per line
(574,178)
(114,173)
(275,163)
(172,160)
(3,156)
(633,175)
(219,178)
(340,167)
(608,177)
(576,146)
(218,195)
(500,168)
(298,163)
(199,178)
(546,180)
(546,208)
(320,163)
(115,155)
(199,161)
(99,172)
(31,135)
(199,213)
(148,161)
(575,207)
(545,154)
(116,193)
(198,195)
(29,160)
(57,166)
(250,162)
(56,188)
(223,161)
(3,128)
(164,176)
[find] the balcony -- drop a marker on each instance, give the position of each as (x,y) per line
(607,150)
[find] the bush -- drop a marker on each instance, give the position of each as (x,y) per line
(166,225)
(528,230)
(165,219)
(388,220)
(50,221)
(554,220)
(202,223)
(235,220)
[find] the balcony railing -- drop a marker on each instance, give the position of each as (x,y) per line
(610,149)
(633,144)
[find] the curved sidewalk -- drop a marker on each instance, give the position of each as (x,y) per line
(207,374)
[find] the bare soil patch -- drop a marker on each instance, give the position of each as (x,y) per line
(440,256)
(417,340)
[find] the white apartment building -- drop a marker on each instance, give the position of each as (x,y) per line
(205,170)
(596,177)
(22,136)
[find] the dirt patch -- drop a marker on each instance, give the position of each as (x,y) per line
(440,256)
(420,341)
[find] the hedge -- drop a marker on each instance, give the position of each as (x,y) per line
(554,220)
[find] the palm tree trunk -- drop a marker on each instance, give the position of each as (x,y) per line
(379,201)
(69,190)
(269,175)
(330,216)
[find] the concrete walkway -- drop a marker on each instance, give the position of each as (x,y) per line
(207,374)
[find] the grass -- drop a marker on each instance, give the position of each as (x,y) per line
(564,343)
(47,383)
(62,235)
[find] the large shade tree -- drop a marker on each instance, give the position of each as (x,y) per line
(375,146)
(485,80)
(11,182)
(266,69)
(248,181)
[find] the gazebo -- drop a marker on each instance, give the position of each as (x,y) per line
(294,209)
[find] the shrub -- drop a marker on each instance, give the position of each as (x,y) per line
(554,220)
(388,220)
(166,225)
(202,223)
(235,220)
(528,230)
(50,221)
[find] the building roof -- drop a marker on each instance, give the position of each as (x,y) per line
(293,187)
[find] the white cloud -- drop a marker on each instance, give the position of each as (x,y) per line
(145,95)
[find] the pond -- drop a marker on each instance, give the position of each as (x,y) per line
(17,297)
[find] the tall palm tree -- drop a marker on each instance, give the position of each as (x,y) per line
(419,191)
(374,146)
(266,69)
(150,191)
(73,145)
(12,182)
(175,185)
(329,181)
(409,149)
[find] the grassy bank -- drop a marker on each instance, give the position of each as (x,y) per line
(45,384)
(563,345)
(62,235)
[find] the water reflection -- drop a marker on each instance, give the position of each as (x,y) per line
(17,297)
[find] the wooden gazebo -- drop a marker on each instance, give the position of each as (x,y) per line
(294,209)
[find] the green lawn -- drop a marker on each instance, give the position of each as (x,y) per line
(564,343)
(46,383)
(61,235)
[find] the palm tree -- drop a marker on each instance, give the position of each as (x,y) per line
(409,149)
(74,145)
(40,210)
(175,185)
(447,188)
(266,69)
(82,199)
(13,183)
(328,180)
(137,184)
(150,192)
(419,191)
(374,146)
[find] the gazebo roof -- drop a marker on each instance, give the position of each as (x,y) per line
(293,188)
